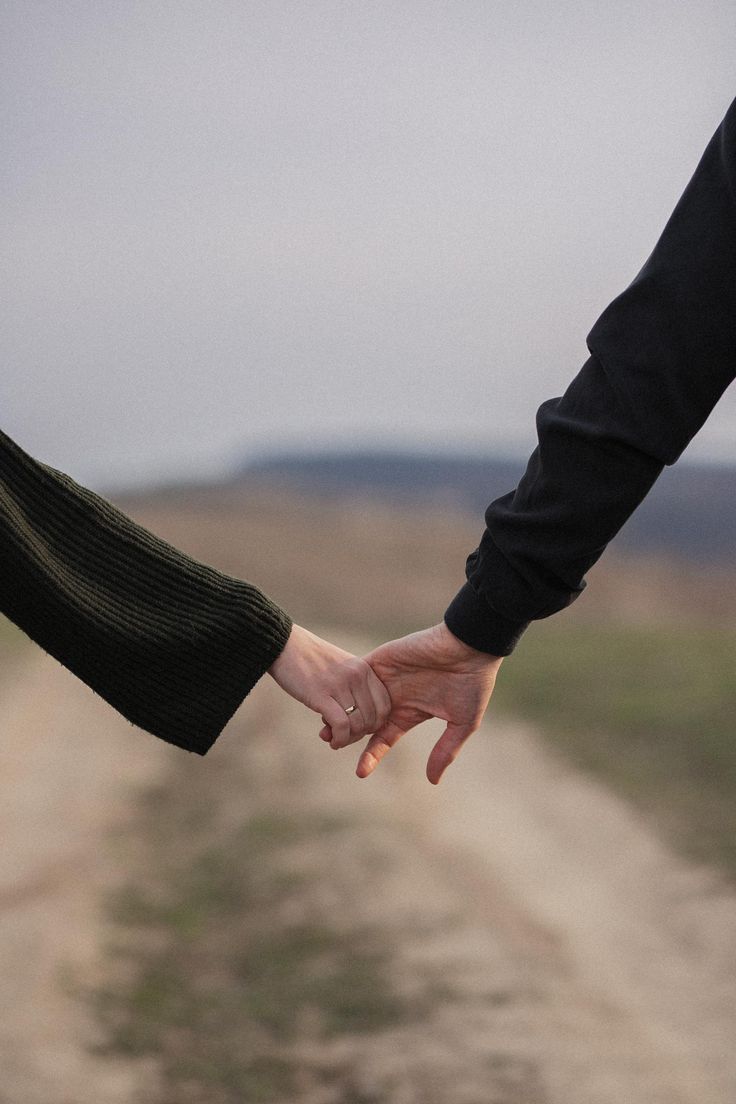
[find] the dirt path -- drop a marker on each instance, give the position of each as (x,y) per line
(67,762)
(587,965)
(629,954)
(639,970)
(604,962)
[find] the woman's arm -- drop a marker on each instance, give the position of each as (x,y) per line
(172,644)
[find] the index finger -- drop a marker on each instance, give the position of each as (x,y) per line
(447,749)
(381,742)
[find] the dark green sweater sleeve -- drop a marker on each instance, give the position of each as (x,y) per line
(172,644)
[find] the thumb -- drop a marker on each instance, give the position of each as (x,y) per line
(447,749)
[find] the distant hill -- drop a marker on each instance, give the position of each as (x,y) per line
(689,514)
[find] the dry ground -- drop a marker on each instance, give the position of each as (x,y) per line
(583,963)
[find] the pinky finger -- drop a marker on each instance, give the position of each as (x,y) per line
(337,721)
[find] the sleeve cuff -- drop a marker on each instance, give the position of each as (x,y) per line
(218,689)
(471,619)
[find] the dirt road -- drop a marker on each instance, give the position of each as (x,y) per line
(67,762)
(586,963)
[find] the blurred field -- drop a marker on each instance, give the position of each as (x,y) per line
(378,566)
(635,681)
(258,925)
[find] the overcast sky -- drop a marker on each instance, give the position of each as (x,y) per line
(234,228)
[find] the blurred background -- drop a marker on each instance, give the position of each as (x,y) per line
(288,282)
(231,229)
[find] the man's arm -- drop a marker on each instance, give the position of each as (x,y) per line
(662,353)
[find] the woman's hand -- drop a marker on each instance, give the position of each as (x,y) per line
(330,681)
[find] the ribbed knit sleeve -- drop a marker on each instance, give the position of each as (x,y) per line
(172,644)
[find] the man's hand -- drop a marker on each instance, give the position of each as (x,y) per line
(428,674)
(330,680)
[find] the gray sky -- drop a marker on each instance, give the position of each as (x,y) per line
(239,227)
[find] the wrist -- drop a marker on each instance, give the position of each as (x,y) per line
(450,645)
(289,647)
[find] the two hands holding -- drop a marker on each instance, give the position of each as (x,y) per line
(427,674)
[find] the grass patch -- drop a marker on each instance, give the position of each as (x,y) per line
(226,957)
(652,710)
(305,967)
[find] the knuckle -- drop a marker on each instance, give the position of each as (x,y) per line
(358,670)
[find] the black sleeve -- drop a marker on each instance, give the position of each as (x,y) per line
(662,354)
(172,644)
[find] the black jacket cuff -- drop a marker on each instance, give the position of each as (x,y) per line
(471,619)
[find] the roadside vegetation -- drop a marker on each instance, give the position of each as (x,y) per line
(652,710)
